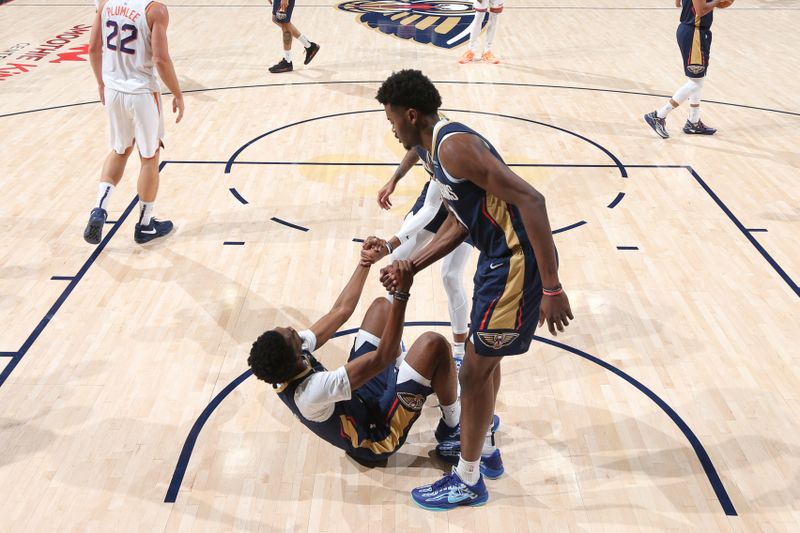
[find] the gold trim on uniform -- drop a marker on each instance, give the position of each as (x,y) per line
(282,386)
(399,423)
(696,55)
(505,312)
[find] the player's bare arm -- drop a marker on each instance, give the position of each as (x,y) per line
(467,157)
(364,368)
(701,7)
(408,162)
(96,51)
(342,308)
(158,20)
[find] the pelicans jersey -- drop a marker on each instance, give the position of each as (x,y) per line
(694,40)
(374,423)
(127,54)
(434,225)
(508,288)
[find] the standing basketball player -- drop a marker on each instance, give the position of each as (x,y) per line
(495,7)
(694,41)
(282,16)
(419,225)
(516,283)
(127,45)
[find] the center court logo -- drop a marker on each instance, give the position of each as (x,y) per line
(442,23)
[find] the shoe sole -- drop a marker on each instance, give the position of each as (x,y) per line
(649,122)
(697,133)
(477,503)
(93,233)
(312,56)
(154,237)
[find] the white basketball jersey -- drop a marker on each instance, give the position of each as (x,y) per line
(127,53)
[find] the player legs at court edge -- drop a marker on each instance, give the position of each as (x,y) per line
(516,283)
(419,225)
(494,7)
(127,45)
(367,406)
(282,16)
(694,41)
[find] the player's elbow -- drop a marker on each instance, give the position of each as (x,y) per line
(161,60)
(534,199)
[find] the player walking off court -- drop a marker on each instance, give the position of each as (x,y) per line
(127,45)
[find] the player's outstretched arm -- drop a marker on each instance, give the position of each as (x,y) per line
(467,157)
(158,19)
(364,368)
(343,308)
(408,162)
(703,7)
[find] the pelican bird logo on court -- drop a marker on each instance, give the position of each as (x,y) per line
(442,23)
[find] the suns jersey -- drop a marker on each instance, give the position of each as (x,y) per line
(495,227)
(127,52)
(689,17)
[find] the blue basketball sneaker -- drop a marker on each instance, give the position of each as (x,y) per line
(450,492)
(94,229)
(154,230)
(445,433)
(491,465)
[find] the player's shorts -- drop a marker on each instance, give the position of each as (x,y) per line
(695,45)
(134,117)
(495,6)
(434,225)
(505,304)
(286,15)
(381,412)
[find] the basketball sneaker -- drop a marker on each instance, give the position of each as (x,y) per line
(489,57)
(468,57)
(281,66)
(154,230)
(445,433)
(311,51)
(659,125)
(450,492)
(491,464)
(698,128)
(94,229)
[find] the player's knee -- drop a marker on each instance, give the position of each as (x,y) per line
(450,280)
(379,305)
(434,345)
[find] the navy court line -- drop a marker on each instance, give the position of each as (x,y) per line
(355,239)
(702,455)
(238,196)
(8,354)
(627,247)
(616,200)
(443,82)
(789,281)
(111,221)
(233,243)
(65,294)
(567,228)
(757,230)
(295,226)
(62,278)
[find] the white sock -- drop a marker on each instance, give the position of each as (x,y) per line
(451,414)
(469,471)
(287,55)
(475,30)
(104,191)
(491,30)
(664,111)
(304,41)
(145,213)
(458,350)
(694,114)
(488,444)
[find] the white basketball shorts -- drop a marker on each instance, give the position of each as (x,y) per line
(134,117)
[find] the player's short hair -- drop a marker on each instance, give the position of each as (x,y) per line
(410,89)
(271,358)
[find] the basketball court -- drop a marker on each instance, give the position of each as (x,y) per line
(672,402)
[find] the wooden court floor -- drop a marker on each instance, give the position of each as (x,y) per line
(671,403)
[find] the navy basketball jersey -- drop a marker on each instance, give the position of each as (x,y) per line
(689,17)
(495,227)
(425,157)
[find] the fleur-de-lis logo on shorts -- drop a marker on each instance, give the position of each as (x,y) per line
(442,23)
(496,341)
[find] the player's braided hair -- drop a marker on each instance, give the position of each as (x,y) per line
(410,89)
(271,358)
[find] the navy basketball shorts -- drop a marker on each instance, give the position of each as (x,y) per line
(287,15)
(695,45)
(505,304)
